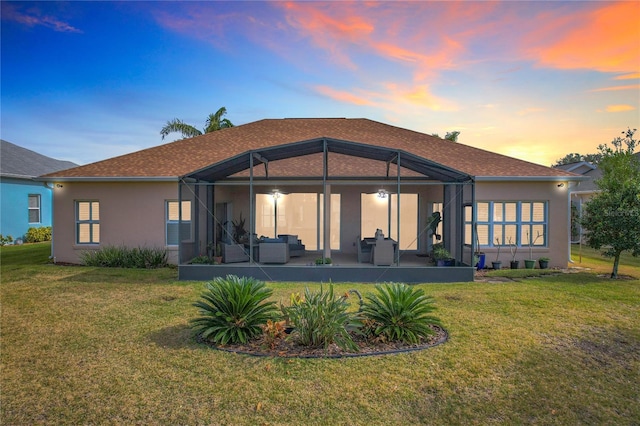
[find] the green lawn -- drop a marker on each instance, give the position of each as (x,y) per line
(97,346)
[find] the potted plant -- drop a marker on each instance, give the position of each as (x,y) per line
(513,247)
(531,262)
(323,261)
(543,262)
(218,256)
(442,256)
(479,257)
(497,264)
(239,233)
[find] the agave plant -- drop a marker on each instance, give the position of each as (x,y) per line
(400,312)
(233,310)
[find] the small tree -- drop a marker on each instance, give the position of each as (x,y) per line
(450,136)
(612,217)
(575,157)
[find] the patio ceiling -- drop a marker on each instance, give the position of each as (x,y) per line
(241,162)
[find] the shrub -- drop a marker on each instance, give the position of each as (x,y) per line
(38,235)
(321,319)
(399,312)
(233,310)
(124,257)
(201,260)
(5,240)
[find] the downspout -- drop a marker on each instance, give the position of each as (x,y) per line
(569,222)
(52,189)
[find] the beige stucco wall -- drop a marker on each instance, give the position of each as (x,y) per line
(558,219)
(131,214)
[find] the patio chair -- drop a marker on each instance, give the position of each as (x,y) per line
(364,251)
(273,252)
(296,248)
(233,253)
(383,252)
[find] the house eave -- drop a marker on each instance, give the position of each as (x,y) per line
(530,178)
(108,179)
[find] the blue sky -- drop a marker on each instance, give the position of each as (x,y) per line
(85,81)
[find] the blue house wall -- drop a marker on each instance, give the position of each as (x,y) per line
(14,206)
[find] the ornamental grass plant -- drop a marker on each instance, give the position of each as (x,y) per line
(125,257)
(321,318)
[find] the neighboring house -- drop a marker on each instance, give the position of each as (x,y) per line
(280,176)
(24,202)
(582,191)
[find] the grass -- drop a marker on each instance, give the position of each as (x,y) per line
(85,345)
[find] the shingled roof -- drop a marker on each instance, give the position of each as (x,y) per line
(22,163)
(183,157)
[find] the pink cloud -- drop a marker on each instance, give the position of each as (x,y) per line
(33,17)
(604,38)
(343,96)
(390,96)
(615,88)
(631,76)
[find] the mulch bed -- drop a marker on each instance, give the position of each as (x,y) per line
(288,347)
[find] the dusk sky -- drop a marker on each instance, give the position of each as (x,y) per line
(85,81)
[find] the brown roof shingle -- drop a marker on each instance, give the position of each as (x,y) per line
(188,155)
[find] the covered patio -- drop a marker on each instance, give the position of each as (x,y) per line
(246,202)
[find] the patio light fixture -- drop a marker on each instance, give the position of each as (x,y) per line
(382,193)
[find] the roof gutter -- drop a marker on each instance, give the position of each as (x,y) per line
(530,178)
(109,179)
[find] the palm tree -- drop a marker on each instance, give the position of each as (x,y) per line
(214,122)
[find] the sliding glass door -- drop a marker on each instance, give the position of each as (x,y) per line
(298,214)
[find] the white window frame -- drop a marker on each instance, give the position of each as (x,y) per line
(37,209)
(521,225)
(93,238)
(180,222)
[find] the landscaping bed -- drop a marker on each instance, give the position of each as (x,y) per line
(289,348)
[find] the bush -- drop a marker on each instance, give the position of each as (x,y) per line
(399,312)
(201,260)
(124,257)
(5,240)
(38,235)
(233,310)
(321,319)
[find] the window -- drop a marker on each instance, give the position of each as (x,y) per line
(380,211)
(34,209)
(509,222)
(175,228)
(300,214)
(87,222)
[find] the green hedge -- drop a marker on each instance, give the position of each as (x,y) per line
(38,235)
(125,257)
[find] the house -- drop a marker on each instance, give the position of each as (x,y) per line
(25,203)
(328,184)
(582,191)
